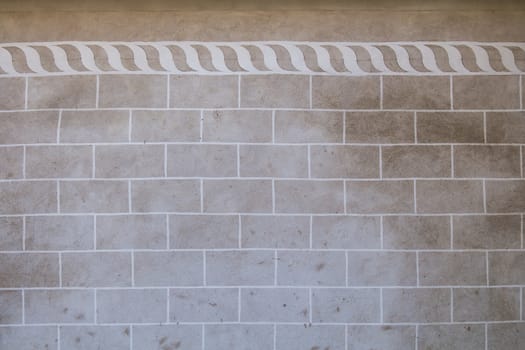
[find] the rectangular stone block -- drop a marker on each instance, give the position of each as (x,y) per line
(309,196)
(486,92)
(274,91)
(275,232)
(416,232)
(422,92)
(59,161)
(421,305)
(94,126)
(11,233)
(375,337)
(486,304)
(204,231)
(228,336)
(165,269)
(10,307)
(379,127)
(237,196)
(487,161)
(28,127)
(298,337)
(345,92)
(13,93)
(29,337)
(308,127)
(452,268)
(204,305)
(346,232)
(167,336)
(91,337)
(374,197)
(506,127)
(382,269)
(487,232)
(450,127)
(416,161)
(273,161)
(129,161)
(94,196)
(59,306)
(12,161)
(505,196)
(307,268)
(100,269)
(202,160)
(237,126)
(274,305)
(28,197)
(73,91)
(506,268)
(165,195)
(345,305)
(239,268)
(131,232)
(449,196)
(200,91)
(132,91)
(165,126)
(27,270)
(505,335)
(344,161)
(131,306)
(451,337)
(59,232)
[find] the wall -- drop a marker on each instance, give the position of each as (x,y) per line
(292,179)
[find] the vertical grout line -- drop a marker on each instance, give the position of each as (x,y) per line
(97,92)
(417,268)
(24,150)
(484,127)
(95,310)
(239,305)
(346,268)
(168,77)
(484,197)
(381,232)
(380,161)
(239,91)
(26,92)
(133,268)
(274,336)
(310,83)
(129,196)
(58,337)
(240,232)
(310,305)
(344,127)
(521,303)
(451,87)
(309,162)
(417,336)
(93,161)
(238,160)
(201,125)
(415,127)
(486,336)
(521,91)
(381,318)
(381,92)
(204,279)
(521,161)
(346,337)
(23,306)
(130,124)
(487,265)
(311,232)
(94,232)
(202,195)
(203,330)
(130,337)
(58,196)
(273,196)
(59,125)
(24,232)
(451,232)
(167,231)
(452,168)
(167,305)
(60,269)
(452,305)
(344,197)
(415,197)
(165,160)
(273,126)
(522,229)
(275,261)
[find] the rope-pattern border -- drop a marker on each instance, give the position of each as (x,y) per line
(400,58)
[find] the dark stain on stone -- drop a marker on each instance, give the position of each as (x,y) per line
(77,339)
(315,348)
(65,310)
(162,340)
(79,317)
(92,334)
(338,309)
(126,331)
(213,304)
(305,312)
(386,328)
(284,305)
(320,266)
